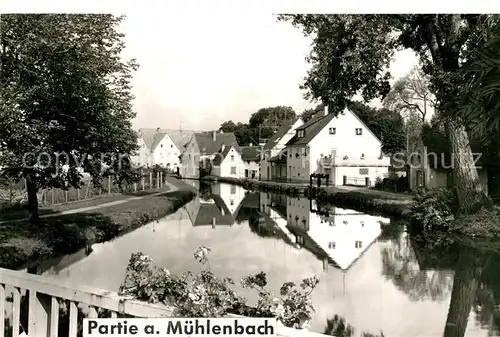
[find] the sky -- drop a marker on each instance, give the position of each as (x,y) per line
(199,69)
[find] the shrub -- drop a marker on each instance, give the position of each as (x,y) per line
(206,295)
(392,183)
(434,209)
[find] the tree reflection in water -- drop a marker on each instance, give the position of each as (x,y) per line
(338,327)
(418,268)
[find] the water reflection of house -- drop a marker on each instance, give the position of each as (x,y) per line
(220,206)
(338,238)
(272,220)
(231,194)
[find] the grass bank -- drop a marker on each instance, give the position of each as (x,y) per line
(383,203)
(21,243)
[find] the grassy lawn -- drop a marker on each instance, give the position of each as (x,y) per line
(21,243)
(22,214)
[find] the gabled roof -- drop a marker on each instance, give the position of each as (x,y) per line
(180,137)
(312,128)
(157,139)
(207,145)
(250,153)
(148,136)
(282,131)
(153,137)
(318,123)
(221,155)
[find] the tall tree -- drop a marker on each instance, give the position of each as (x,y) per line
(410,94)
(65,99)
(351,54)
(307,114)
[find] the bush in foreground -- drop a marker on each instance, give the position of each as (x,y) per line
(206,295)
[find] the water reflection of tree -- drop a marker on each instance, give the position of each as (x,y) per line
(475,286)
(400,264)
(338,327)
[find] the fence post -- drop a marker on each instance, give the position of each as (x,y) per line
(109,184)
(142,182)
(78,194)
(150,180)
(135,187)
(66,196)
(157,179)
(52,196)
(161,179)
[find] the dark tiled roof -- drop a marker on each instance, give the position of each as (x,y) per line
(157,139)
(285,127)
(152,137)
(207,145)
(312,128)
(279,158)
(250,153)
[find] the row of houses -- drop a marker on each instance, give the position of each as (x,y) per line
(341,147)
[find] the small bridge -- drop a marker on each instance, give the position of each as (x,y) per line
(45,296)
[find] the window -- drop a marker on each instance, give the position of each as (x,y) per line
(232,202)
(161,145)
(333,131)
(232,157)
(233,189)
(331,223)
(331,245)
(358,244)
(362,224)
(345,222)
(359,131)
(300,133)
(233,169)
(171,145)
(363,171)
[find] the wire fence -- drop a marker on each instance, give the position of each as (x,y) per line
(15,192)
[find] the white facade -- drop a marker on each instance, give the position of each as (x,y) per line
(232,165)
(165,153)
(343,236)
(344,147)
(265,167)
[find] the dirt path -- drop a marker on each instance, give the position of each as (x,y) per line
(171,188)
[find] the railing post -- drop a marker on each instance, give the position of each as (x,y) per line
(41,318)
(150,180)
(2,309)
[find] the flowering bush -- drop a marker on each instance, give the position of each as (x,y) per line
(206,295)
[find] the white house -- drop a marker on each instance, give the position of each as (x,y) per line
(251,157)
(214,146)
(228,162)
(161,147)
(340,236)
(342,147)
(270,168)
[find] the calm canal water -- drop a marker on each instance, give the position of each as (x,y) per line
(371,272)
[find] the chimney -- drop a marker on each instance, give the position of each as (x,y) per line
(223,147)
(157,129)
(214,135)
(326,109)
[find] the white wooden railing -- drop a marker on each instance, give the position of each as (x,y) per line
(46,294)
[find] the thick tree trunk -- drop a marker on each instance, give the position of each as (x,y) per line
(470,192)
(464,290)
(32,188)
